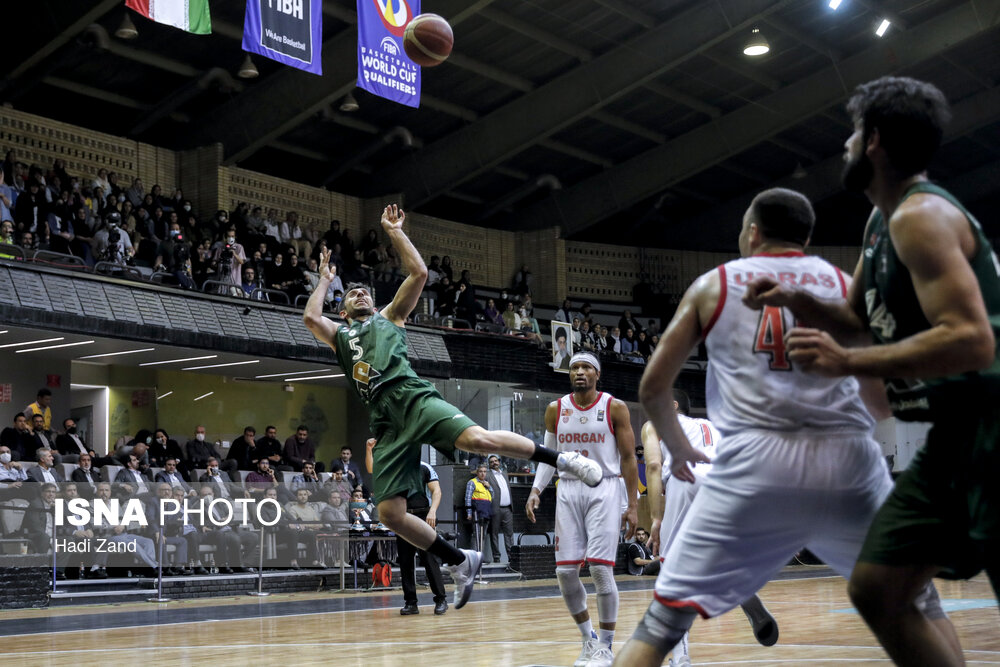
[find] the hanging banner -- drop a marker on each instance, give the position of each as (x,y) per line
(383,67)
(289,31)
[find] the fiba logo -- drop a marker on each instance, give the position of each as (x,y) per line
(395,14)
(389,46)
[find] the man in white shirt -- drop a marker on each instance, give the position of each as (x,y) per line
(503,515)
(45,470)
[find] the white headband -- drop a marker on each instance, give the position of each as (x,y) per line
(587,358)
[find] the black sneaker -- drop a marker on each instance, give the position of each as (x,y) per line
(440,608)
(411,608)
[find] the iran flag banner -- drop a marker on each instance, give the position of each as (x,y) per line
(188,15)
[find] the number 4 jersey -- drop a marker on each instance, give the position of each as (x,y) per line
(373,353)
(751,383)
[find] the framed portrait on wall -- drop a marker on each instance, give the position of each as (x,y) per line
(562,346)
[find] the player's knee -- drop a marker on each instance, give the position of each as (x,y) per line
(867,593)
(604,579)
(662,627)
(567,574)
(390,513)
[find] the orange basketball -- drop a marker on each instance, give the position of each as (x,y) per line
(428,40)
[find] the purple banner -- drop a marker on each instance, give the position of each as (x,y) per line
(289,31)
(383,67)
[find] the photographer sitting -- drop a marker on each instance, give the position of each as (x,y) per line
(173,256)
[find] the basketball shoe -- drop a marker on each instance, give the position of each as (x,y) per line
(602,657)
(464,576)
(765,628)
(589,472)
(590,647)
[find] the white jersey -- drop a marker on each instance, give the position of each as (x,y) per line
(588,430)
(751,383)
(702,435)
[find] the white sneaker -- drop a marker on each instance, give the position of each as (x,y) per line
(590,647)
(683,661)
(588,471)
(602,657)
(464,576)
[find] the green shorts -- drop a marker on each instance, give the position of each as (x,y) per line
(945,508)
(407,415)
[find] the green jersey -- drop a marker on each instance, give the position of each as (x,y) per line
(373,351)
(894,313)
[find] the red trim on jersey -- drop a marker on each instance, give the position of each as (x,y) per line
(570,562)
(718,306)
(601,562)
(681,604)
(843,283)
(706,434)
(790,253)
(607,409)
(663,559)
(572,399)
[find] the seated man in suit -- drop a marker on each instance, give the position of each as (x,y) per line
(308,480)
(44,439)
(86,476)
(131,481)
(45,471)
(221,486)
(39,521)
(230,544)
(18,438)
(172,535)
(175,525)
(172,476)
(144,549)
(71,446)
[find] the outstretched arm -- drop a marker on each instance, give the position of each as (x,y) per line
(321,326)
(654,480)
(409,292)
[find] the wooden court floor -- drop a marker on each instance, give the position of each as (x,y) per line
(817,625)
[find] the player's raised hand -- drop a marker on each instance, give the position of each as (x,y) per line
(766,291)
(370,443)
(392,218)
(679,466)
(529,507)
(816,351)
(326,270)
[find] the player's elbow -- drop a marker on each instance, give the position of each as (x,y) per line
(980,347)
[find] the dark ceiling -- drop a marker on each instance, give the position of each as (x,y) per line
(625,121)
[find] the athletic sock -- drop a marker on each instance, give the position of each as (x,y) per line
(606,636)
(545,455)
(446,551)
(681,649)
(586,629)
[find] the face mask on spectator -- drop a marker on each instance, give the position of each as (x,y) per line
(232,240)
(187,207)
(71,430)
(200,437)
(5,457)
(121,198)
(174,233)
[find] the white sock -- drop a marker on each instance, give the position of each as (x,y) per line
(607,636)
(682,647)
(586,629)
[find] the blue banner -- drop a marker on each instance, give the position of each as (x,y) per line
(289,31)
(383,67)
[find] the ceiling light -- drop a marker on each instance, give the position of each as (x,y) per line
(882,27)
(177,361)
(55,347)
(278,375)
(204,395)
(799,172)
(112,354)
(349,104)
(247,70)
(756,45)
(164,395)
(314,377)
(835,3)
(31,342)
(127,29)
(232,363)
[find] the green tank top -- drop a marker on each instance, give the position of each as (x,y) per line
(373,352)
(894,313)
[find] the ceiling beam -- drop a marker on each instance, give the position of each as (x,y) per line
(746,70)
(559,103)
(592,200)
(629,11)
(532,31)
(817,44)
(683,98)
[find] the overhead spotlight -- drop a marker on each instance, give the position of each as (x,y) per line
(882,27)
(799,172)
(248,70)
(349,104)
(756,45)
(835,3)
(127,29)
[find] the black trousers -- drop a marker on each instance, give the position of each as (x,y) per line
(408,567)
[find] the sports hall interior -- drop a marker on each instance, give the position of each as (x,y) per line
(609,148)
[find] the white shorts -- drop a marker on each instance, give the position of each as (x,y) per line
(768,495)
(678,496)
(588,521)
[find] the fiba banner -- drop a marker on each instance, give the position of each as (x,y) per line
(383,67)
(289,31)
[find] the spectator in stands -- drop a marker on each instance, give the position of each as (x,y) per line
(174,257)
(86,475)
(69,444)
(159,200)
(529,328)
(306,518)
(445,297)
(39,522)
(176,525)
(144,549)
(566,312)
(337,484)
(292,234)
(101,181)
(162,448)
(229,257)
(119,251)
(28,242)
(491,313)
(630,347)
(201,261)
(643,346)
(269,447)
(585,312)
(308,480)
(299,448)
(6,200)
(653,328)
(228,542)
(213,478)
(277,275)
(7,231)
(244,451)
(171,537)
(628,322)
(249,284)
(614,341)
(116,189)
(136,193)
(522,281)
(575,333)
(12,475)
(214,227)
(199,451)
(131,481)
(335,510)
(357,511)
(44,438)
(45,471)
(586,336)
(159,229)
(41,406)
(173,477)
(434,272)
(465,303)
(641,561)
(260,479)
(138,446)
(447,269)
(479,496)
(352,473)
(256,228)
(511,318)
(31,209)
(332,236)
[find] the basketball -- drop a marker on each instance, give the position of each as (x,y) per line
(428,40)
